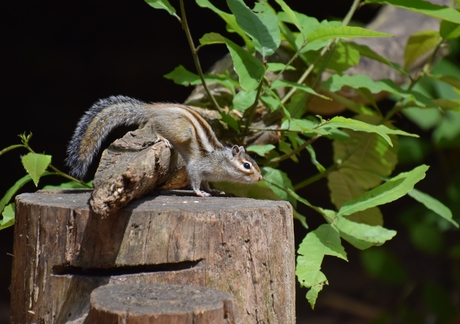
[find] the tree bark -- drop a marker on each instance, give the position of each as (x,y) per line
(62,251)
(159,304)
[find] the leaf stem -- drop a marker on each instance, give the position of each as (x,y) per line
(297,150)
(196,60)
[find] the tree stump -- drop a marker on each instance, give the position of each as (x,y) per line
(159,304)
(63,251)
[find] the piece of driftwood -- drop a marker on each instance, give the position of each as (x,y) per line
(131,167)
(63,251)
(159,304)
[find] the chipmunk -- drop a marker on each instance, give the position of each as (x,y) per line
(178,126)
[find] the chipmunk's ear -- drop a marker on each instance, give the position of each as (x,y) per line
(237,150)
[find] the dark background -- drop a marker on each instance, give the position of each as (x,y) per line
(59,57)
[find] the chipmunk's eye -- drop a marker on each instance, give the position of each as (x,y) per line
(247,165)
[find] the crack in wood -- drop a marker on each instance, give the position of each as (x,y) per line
(65,269)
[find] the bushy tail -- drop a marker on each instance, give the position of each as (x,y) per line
(96,124)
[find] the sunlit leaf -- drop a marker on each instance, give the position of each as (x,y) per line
(36,164)
(324,33)
(249,69)
(433,204)
(419,45)
(387,192)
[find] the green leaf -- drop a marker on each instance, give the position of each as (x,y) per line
(449,30)
(362,236)
(372,158)
(260,149)
(448,104)
(419,45)
(283,83)
(336,82)
(180,75)
(425,8)
(248,68)
(244,99)
(278,182)
(433,204)
(291,14)
(163,4)
(8,216)
(364,50)
(212,38)
(276,67)
(312,294)
(389,191)
(325,240)
(262,26)
(325,33)
(36,164)
(356,125)
(13,190)
(70,184)
(230,20)
(449,79)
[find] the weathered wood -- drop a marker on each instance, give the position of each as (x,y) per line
(131,167)
(159,304)
(63,251)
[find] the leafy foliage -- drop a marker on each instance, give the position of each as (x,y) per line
(365,144)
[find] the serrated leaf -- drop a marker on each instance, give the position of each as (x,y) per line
(325,33)
(260,149)
(249,69)
(36,164)
(425,8)
(162,4)
(261,26)
(212,38)
(389,191)
(433,204)
(419,45)
(325,240)
(8,216)
(362,236)
(312,294)
(371,159)
(336,82)
(356,125)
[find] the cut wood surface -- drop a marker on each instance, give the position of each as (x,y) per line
(159,304)
(63,251)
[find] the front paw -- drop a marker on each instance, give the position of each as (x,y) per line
(200,193)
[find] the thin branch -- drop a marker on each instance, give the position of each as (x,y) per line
(195,56)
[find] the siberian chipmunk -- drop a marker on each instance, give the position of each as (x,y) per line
(177,125)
